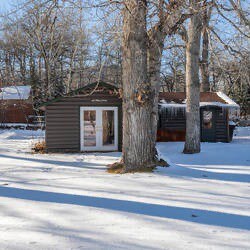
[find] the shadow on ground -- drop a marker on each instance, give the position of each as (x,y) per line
(170,212)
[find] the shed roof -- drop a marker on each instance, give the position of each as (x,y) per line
(87,90)
(173,99)
(15,92)
(178,99)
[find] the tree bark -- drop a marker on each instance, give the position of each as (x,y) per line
(192,143)
(205,84)
(138,137)
(168,24)
(156,45)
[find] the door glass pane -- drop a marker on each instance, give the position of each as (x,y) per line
(207,119)
(108,130)
(89,128)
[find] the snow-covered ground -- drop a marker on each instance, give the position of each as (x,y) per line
(68,201)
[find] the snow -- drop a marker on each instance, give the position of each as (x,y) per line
(229,103)
(15,93)
(69,201)
(20,125)
(202,104)
(232,123)
(14,124)
(227,100)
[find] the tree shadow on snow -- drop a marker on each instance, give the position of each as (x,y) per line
(189,172)
(169,212)
(76,164)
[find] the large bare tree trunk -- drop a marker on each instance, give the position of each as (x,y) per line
(167,25)
(205,85)
(156,45)
(192,143)
(138,137)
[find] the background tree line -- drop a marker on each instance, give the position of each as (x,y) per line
(51,46)
(47,45)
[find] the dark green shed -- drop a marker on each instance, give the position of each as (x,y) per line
(216,111)
(88,119)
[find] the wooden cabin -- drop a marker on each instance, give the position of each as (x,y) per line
(216,110)
(90,119)
(15,104)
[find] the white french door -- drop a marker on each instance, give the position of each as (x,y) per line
(99,128)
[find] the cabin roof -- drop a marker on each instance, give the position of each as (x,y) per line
(168,99)
(178,99)
(15,92)
(84,91)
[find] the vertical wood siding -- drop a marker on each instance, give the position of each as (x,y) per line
(172,124)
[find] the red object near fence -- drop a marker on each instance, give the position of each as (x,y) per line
(15,104)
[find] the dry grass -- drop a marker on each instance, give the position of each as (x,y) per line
(119,167)
(116,168)
(39,147)
(162,163)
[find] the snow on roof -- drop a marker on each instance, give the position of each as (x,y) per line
(202,104)
(177,100)
(15,93)
(228,100)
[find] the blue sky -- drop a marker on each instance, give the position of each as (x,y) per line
(225,30)
(5,4)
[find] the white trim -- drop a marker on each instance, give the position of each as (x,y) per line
(99,146)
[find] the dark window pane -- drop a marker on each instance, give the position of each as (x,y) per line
(108,135)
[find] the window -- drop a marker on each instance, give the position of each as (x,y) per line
(207,119)
(108,127)
(89,123)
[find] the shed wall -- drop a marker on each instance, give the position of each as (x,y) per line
(172,124)
(63,120)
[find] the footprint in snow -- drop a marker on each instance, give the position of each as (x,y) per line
(46,169)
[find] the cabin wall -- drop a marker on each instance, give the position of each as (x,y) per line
(63,120)
(172,124)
